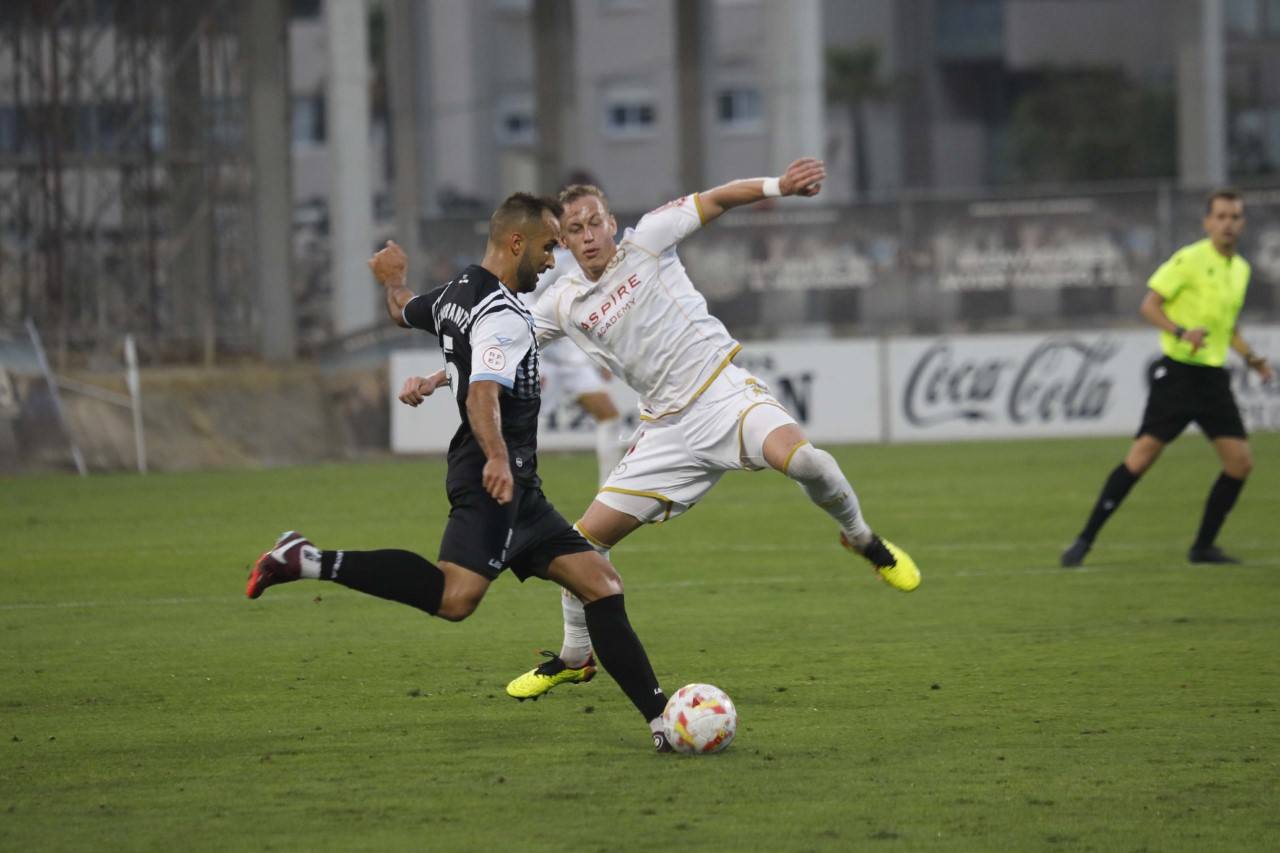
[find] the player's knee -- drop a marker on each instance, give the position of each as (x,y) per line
(1240,468)
(810,464)
(602,582)
(457,605)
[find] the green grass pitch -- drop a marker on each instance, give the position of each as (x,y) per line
(1007,704)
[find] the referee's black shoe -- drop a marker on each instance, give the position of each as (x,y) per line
(1074,555)
(1210,554)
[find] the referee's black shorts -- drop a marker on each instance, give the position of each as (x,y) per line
(525,535)
(1182,393)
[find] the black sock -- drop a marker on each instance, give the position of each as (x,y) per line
(1221,498)
(623,656)
(396,575)
(1118,484)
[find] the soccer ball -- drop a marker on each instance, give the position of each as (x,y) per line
(699,718)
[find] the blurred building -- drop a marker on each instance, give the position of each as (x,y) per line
(653,97)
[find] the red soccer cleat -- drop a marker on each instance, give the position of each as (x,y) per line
(281,564)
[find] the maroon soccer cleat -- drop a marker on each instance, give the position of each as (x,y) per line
(282,564)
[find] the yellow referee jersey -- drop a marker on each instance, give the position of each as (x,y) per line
(1201,288)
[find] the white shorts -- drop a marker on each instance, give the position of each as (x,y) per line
(567,374)
(676,460)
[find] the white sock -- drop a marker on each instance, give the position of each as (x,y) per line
(577,641)
(820,476)
(609,446)
(309,561)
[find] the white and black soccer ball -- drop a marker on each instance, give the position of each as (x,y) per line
(700,718)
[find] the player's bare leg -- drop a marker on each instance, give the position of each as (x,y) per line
(602,526)
(1143,453)
(787,450)
(593,580)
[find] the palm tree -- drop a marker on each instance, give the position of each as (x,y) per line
(852,80)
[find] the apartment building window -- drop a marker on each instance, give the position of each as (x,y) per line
(1242,17)
(622,5)
(304,8)
(740,108)
(308,121)
(630,113)
(516,122)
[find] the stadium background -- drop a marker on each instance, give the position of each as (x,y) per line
(208,178)
(188,194)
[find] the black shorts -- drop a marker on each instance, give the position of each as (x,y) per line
(1182,393)
(525,535)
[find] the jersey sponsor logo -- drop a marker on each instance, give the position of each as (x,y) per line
(617,302)
(494,358)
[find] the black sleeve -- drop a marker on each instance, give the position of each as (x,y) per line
(417,311)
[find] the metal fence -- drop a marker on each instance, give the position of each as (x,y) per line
(920,265)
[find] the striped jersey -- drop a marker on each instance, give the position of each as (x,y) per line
(486,334)
(643,319)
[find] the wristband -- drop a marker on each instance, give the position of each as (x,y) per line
(772,188)
(1254,360)
(1179,331)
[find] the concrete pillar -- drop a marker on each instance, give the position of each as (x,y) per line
(402,82)
(695,56)
(553,53)
(1202,94)
(356,298)
(795,102)
(794,85)
(265,38)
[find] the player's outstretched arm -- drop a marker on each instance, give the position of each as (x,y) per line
(804,177)
(391,267)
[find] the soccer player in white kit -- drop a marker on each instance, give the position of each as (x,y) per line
(568,374)
(633,310)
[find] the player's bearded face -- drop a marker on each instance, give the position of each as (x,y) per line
(539,254)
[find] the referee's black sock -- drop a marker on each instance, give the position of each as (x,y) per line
(622,654)
(393,574)
(1118,484)
(1222,497)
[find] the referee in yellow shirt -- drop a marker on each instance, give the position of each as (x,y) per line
(1194,299)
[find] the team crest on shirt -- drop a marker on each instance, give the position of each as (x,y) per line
(493,358)
(617,258)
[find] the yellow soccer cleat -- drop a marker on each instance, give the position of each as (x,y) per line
(547,675)
(894,565)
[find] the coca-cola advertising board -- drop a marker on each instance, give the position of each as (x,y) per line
(1042,385)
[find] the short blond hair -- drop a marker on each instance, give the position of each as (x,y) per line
(573,192)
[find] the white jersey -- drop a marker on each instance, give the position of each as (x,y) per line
(643,320)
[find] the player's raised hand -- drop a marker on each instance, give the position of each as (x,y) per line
(804,177)
(418,388)
(389,264)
